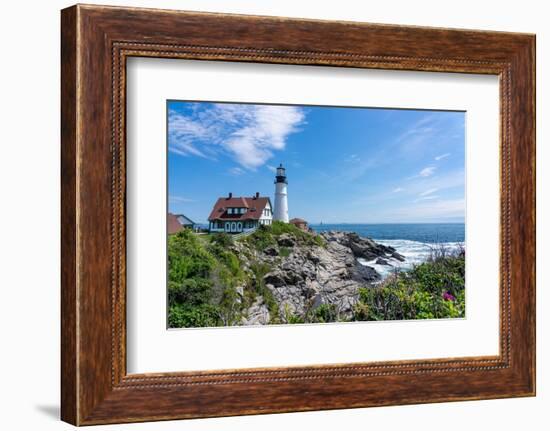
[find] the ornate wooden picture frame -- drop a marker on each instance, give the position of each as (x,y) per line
(96,42)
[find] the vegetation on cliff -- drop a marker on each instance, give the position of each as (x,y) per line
(208,285)
(281,274)
(431,290)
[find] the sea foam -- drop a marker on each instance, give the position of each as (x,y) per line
(415,252)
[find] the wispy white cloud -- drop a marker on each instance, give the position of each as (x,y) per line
(236,171)
(427,198)
(352,158)
(179,199)
(442,156)
(398,189)
(271,168)
(184,133)
(249,134)
(427,172)
(428,192)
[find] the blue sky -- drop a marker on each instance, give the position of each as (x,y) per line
(344,165)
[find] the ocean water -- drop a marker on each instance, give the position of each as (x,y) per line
(415,241)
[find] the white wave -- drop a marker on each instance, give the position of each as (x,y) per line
(415,252)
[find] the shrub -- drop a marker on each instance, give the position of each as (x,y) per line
(222,239)
(187,257)
(431,290)
(261,238)
(291,318)
(325,313)
(182,316)
(191,291)
(202,278)
(260,270)
(267,235)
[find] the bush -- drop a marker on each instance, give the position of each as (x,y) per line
(266,235)
(431,290)
(182,316)
(187,257)
(191,291)
(261,238)
(222,239)
(202,278)
(325,313)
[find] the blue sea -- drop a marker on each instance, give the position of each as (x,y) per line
(415,241)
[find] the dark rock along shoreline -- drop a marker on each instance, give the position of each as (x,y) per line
(311,275)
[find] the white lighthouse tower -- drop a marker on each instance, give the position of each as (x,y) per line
(281,201)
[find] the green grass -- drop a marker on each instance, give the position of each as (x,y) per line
(267,235)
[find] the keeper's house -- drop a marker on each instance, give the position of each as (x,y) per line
(242,214)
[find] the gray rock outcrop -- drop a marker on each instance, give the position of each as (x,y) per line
(313,275)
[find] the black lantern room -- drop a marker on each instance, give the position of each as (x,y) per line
(281,175)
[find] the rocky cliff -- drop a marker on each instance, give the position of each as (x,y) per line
(304,277)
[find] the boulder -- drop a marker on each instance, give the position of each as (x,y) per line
(257,314)
(365,273)
(398,256)
(286,240)
(271,250)
(381,261)
(275,278)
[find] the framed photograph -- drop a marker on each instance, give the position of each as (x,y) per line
(267,215)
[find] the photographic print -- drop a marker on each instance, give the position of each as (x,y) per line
(294,214)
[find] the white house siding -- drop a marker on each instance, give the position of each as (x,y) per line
(267,219)
(238,226)
(233,227)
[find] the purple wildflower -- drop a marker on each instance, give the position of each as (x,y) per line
(448,297)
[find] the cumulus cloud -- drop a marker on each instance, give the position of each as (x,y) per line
(250,134)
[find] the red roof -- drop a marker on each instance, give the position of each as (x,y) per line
(297,221)
(174,226)
(254,206)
